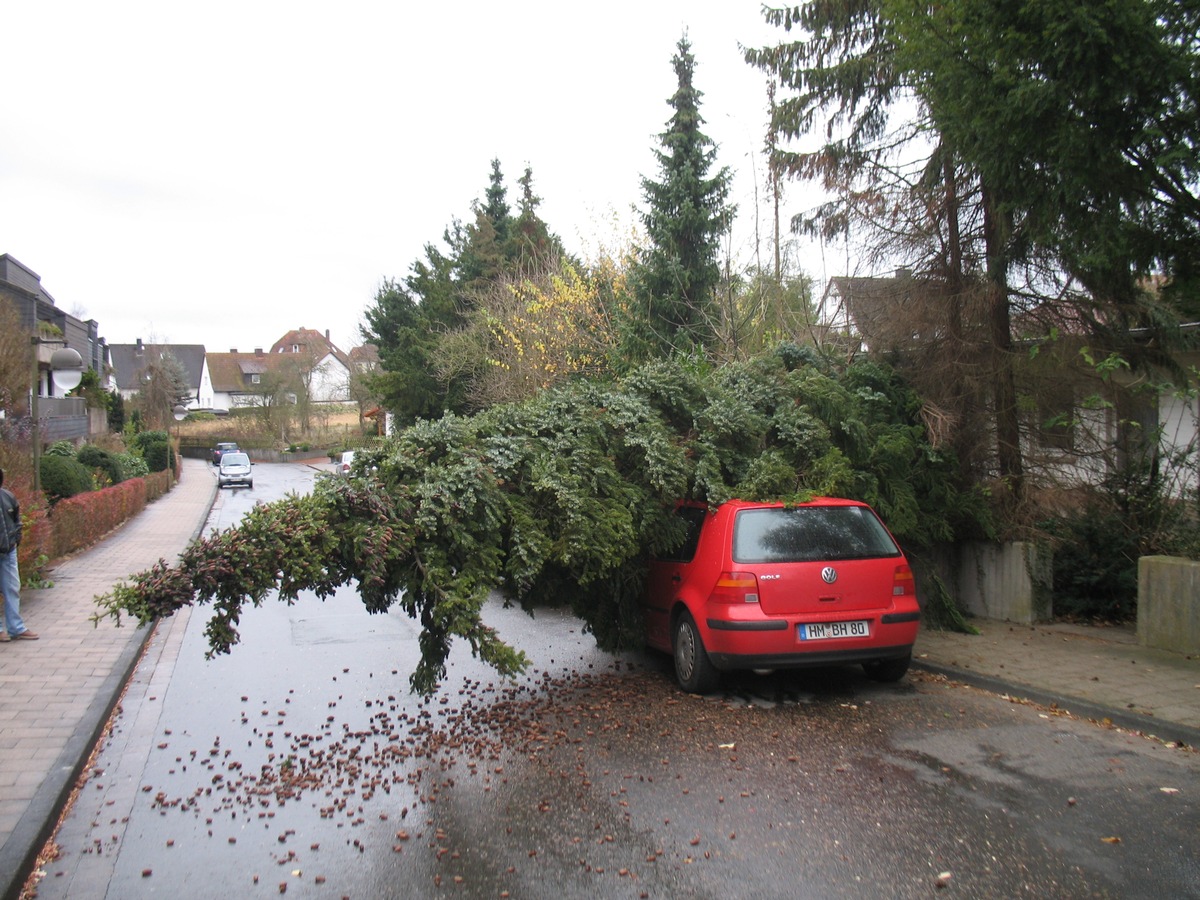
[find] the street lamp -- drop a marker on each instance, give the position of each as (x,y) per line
(180,412)
(66,371)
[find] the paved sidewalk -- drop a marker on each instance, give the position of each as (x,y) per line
(59,691)
(1098,673)
(56,693)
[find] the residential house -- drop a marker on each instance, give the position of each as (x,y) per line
(62,418)
(242,379)
(1078,425)
(324,367)
(132,363)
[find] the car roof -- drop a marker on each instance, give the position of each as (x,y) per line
(737,504)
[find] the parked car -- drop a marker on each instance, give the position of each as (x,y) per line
(235,468)
(221,449)
(769,586)
(343,464)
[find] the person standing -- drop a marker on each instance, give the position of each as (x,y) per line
(10,575)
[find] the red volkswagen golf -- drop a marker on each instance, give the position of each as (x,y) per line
(769,586)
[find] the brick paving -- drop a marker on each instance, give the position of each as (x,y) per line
(56,694)
(1096,672)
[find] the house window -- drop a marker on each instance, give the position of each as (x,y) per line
(255,379)
(1056,419)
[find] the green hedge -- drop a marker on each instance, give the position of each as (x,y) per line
(64,477)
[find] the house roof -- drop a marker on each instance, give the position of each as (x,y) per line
(306,340)
(365,356)
(228,371)
(894,312)
(129,360)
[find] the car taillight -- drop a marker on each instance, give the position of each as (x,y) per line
(735,587)
(903,584)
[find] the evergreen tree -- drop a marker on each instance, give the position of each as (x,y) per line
(687,213)
(531,244)
(495,207)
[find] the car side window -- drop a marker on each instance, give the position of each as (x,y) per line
(693,520)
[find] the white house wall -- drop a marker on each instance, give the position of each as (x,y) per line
(1179,418)
(331,381)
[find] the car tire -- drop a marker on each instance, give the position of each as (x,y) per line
(693,669)
(887,670)
(250,484)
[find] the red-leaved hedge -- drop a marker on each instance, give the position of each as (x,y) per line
(82,520)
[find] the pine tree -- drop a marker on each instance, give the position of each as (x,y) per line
(687,214)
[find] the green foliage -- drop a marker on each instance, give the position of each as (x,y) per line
(411,319)
(158,455)
(64,476)
(1096,549)
(64,449)
(687,214)
(940,610)
(109,466)
(561,499)
(116,412)
(132,465)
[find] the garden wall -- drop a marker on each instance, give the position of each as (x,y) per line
(1010,582)
(1168,608)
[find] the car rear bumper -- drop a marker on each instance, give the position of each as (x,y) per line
(727,662)
(764,642)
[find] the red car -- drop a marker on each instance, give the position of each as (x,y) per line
(769,586)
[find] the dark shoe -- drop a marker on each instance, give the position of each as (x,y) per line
(25,636)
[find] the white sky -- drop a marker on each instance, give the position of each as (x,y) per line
(223,172)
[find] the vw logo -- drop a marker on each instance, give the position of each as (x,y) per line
(829,574)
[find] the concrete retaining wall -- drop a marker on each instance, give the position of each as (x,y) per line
(1168,605)
(1010,582)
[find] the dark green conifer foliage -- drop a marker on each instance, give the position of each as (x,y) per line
(495,208)
(560,499)
(687,213)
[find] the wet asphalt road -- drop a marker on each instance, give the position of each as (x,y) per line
(300,764)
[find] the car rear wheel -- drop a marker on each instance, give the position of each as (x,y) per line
(693,669)
(887,670)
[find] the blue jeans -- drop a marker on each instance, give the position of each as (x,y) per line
(10,584)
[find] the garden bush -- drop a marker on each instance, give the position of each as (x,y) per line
(1134,513)
(61,448)
(93,457)
(82,520)
(159,456)
(64,477)
(132,465)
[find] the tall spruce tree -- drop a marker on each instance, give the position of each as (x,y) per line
(687,213)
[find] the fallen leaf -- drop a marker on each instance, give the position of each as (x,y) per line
(1111,840)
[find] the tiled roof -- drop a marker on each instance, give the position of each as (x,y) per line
(129,360)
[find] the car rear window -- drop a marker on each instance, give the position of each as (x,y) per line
(810,534)
(236,459)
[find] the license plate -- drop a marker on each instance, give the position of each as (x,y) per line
(823,631)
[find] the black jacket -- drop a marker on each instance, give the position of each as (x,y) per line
(10,521)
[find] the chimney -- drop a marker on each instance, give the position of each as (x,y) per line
(233,349)
(327,336)
(258,351)
(138,351)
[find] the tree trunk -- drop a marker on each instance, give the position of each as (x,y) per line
(1004,390)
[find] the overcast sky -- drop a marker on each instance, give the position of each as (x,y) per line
(222,172)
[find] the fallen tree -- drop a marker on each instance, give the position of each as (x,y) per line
(561,499)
